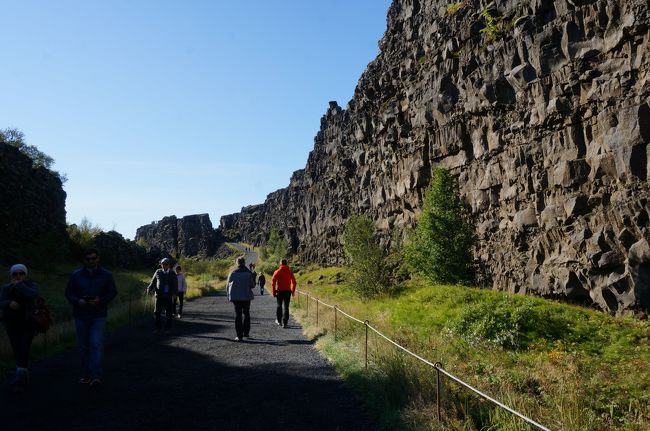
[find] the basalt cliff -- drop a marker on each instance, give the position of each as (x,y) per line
(541,108)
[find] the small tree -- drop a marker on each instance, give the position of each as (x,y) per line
(440,247)
(16,138)
(273,251)
(369,272)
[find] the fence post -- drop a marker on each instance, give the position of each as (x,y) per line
(335,322)
(317,301)
(308,305)
(366,325)
(437,365)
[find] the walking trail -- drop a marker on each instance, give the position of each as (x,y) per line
(196,378)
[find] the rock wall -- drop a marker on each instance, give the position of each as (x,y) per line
(191,235)
(32,214)
(545,121)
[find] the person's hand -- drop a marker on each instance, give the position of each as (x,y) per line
(94,301)
(14,305)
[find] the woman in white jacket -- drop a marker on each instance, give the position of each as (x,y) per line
(182,288)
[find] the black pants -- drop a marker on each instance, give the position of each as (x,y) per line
(242,326)
(180,296)
(283,298)
(21,334)
(166,303)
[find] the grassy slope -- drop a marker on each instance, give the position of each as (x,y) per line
(565,366)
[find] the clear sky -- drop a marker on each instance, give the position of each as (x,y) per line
(153,108)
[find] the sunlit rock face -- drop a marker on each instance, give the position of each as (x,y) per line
(191,235)
(546,125)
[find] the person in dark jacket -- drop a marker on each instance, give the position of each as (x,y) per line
(164,284)
(16,299)
(261,280)
(89,290)
(240,293)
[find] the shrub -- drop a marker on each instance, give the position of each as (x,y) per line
(440,247)
(369,271)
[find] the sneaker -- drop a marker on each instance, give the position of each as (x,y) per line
(246,336)
(95,383)
(178,316)
(277,322)
(285,326)
(85,380)
(237,339)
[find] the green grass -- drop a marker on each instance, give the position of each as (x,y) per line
(565,366)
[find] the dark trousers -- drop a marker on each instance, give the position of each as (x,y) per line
(180,296)
(166,303)
(20,335)
(283,298)
(242,325)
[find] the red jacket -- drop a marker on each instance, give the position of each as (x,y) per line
(283,280)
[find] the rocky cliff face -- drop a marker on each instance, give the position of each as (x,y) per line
(191,235)
(32,215)
(545,119)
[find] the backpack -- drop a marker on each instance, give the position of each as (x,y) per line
(40,315)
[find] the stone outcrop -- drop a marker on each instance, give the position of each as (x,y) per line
(32,214)
(191,235)
(118,252)
(545,119)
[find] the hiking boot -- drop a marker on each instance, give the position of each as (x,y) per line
(285,326)
(95,383)
(85,380)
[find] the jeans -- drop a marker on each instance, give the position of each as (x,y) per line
(242,327)
(20,334)
(166,303)
(180,297)
(284,298)
(90,336)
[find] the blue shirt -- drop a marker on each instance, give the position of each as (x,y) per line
(83,284)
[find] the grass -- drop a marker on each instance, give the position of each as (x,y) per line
(564,366)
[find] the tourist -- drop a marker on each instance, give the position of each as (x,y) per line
(89,290)
(283,284)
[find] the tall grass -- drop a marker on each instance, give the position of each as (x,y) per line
(566,367)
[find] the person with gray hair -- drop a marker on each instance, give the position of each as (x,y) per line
(16,298)
(240,293)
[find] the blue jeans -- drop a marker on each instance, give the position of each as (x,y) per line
(90,336)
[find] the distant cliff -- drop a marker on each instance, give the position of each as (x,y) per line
(191,235)
(544,118)
(32,214)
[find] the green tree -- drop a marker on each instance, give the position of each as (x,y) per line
(273,251)
(440,247)
(369,269)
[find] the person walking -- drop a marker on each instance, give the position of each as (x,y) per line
(283,284)
(16,299)
(89,290)
(261,280)
(240,293)
(164,284)
(182,288)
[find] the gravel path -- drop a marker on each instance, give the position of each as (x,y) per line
(196,378)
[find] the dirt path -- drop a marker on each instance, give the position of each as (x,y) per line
(195,378)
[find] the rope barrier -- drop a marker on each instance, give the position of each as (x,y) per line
(437,366)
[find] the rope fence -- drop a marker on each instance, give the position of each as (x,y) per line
(440,371)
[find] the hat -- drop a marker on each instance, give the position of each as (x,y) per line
(165,260)
(18,267)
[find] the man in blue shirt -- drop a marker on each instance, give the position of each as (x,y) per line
(89,290)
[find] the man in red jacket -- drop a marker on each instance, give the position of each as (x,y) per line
(284,287)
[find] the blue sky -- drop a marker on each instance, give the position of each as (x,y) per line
(153,108)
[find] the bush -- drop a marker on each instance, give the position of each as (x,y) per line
(440,247)
(369,269)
